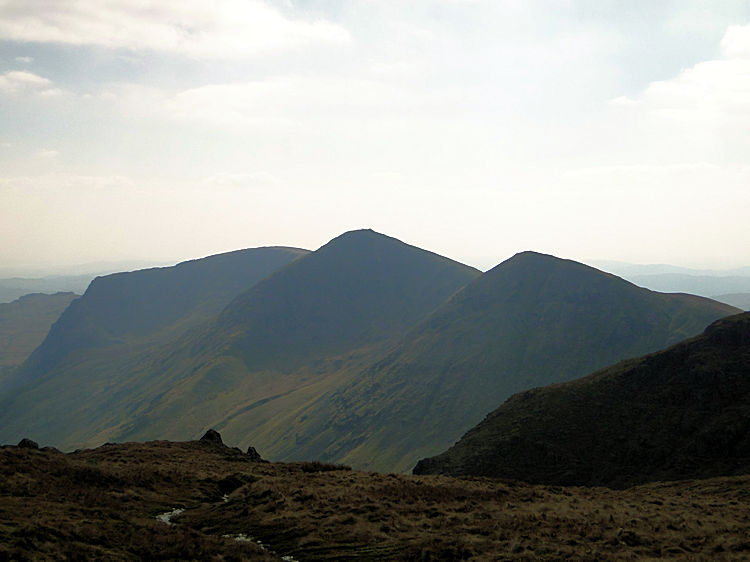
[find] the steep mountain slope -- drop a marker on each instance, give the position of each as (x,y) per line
(291,336)
(532,320)
(680,413)
(124,308)
(25,322)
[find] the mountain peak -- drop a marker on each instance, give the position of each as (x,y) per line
(362,286)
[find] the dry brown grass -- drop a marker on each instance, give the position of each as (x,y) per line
(102,504)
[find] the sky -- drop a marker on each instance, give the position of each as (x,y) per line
(175,129)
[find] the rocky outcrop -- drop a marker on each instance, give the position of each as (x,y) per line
(27,444)
(213,438)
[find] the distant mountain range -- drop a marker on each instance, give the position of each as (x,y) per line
(680,413)
(740,300)
(13,288)
(731,286)
(366,351)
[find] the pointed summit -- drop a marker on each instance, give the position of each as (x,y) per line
(361,287)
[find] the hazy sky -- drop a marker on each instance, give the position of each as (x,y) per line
(175,129)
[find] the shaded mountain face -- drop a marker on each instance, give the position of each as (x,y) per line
(25,322)
(360,288)
(126,307)
(680,413)
(533,320)
(272,350)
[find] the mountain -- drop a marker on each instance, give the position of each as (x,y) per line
(680,413)
(119,322)
(25,322)
(125,308)
(273,348)
(532,320)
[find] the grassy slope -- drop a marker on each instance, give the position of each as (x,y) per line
(103,504)
(532,320)
(680,413)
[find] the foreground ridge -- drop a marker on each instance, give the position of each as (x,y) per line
(104,503)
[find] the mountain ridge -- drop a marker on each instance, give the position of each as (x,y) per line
(319,317)
(530,319)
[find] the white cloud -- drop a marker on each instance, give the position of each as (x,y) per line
(24,60)
(703,113)
(736,42)
(254,180)
(47,154)
(294,100)
(194,28)
(19,81)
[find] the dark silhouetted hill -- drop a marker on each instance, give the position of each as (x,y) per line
(680,413)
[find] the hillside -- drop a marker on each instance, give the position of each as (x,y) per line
(680,413)
(532,320)
(276,346)
(201,500)
(24,323)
